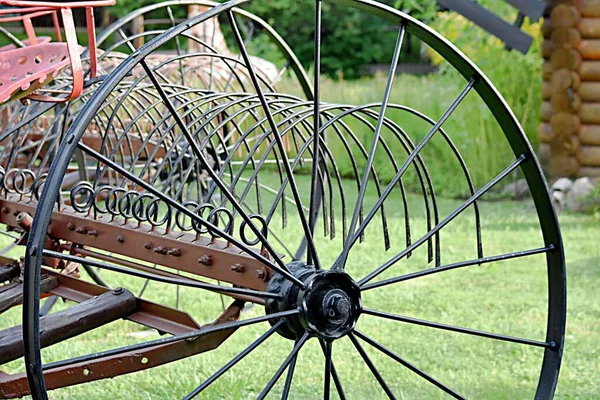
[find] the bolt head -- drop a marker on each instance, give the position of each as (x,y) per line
(120,238)
(205,260)
(148,245)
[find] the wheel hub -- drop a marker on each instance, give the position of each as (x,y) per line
(329,303)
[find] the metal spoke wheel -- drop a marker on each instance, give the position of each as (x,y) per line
(397,295)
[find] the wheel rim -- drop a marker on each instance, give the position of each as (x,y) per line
(525,162)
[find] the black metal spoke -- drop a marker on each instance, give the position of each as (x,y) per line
(288,380)
(277,136)
(371,366)
(188,212)
(159,278)
(327,378)
(234,360)
(334,374)
(461,264)
(356,235)
(458,329)
(408,365)
(171,339)
(200,155)
(446,221)
(314,183)
(283,366)
(377,133)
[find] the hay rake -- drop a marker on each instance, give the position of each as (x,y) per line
(184,165)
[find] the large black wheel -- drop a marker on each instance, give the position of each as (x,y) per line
(254,170)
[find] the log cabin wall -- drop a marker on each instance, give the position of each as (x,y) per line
(570,129)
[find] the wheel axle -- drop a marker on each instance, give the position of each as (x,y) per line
(330,302)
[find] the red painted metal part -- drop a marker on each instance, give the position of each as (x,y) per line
(24,71)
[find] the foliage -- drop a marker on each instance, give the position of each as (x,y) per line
(517,76)
(350,38)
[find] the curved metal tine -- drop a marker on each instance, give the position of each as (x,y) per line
(234,361)
(407,163)
(178,45)
(212,59)
(48,304)
(253,180)
(247,40)
(408,365)
(273,235)
(256,168)
(269,149)
(392,160)
(463,166)
(171,339)
(341,261)
(283,366)
(461,264)
(371,366)
(334,374)
(159,278)
(9,235)
(146,282)
(273,126)
(446,220)
(126,39)
(187,212)
(288,380)
(458,329)
(198,153)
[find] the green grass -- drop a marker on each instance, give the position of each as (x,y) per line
(507,297)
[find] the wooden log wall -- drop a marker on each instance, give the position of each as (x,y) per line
(570,129)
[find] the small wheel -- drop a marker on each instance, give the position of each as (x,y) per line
(399,295)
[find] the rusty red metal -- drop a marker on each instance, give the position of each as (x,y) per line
(12,386)
(140,242)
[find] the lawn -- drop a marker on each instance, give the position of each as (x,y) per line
(505,297)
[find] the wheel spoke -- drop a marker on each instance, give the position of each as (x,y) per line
(334,374)
(159,278)
(288,379)
(443,268)
(283,366)
(171,339)
(314,184)
(234,360)
(446,221)
(189,213)
(327,380)
(278,140)
(408,365)
(356,235)
(371,366)
(453,328)
(365,178)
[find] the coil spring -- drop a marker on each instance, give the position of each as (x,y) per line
(131,204)
(144,207)
(22,181)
